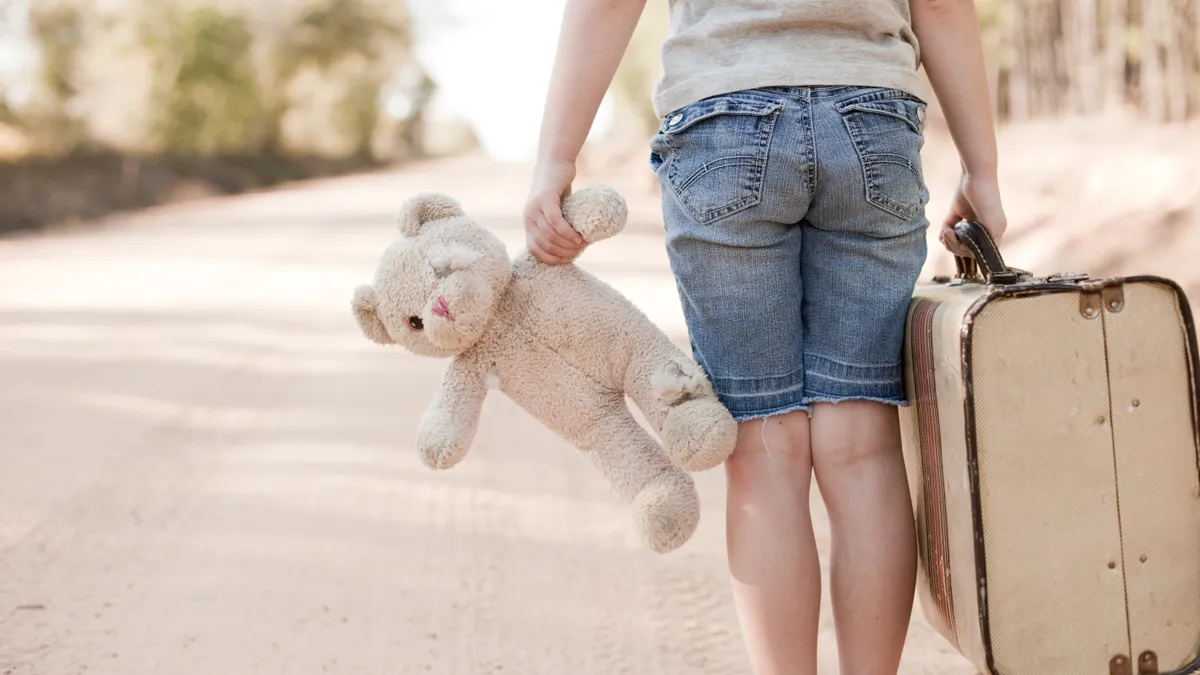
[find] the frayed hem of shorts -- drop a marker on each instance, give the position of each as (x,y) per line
(898,402)
(750,417)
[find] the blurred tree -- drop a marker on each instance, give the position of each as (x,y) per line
(1115,37)
(640,69)
(57,27)
(376,41)
(205,93)
(7,116)
(1083,56)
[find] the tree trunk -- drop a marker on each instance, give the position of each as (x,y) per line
(1153,82)
(1086,57)
(1178,62)
(1019,99)
(1054,65)
(1116,23)
(1195,53)
(1040,61)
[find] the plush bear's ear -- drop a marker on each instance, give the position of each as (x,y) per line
(452,257)
(426,208)
(365,305)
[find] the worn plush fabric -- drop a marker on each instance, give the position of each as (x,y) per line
(721,46)
(560,343)
(796,226)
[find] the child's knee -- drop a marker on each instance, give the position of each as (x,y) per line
(849,434)
(771,447)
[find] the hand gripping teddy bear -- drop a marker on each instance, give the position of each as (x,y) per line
(562,344)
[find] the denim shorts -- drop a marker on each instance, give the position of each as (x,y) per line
(796,232)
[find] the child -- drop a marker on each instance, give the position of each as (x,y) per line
(794,204)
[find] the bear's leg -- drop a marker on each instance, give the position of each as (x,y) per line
(677,398)
(666,506)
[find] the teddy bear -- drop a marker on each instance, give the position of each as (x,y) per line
(563,345)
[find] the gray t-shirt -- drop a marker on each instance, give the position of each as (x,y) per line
(719,46)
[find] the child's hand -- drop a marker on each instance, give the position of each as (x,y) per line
(549,237)
(977,200)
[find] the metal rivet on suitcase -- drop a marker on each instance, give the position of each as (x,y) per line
(1119,665)
(1112,565)
(1143,558)
(1148,663)
(1114,297)
(1089,304)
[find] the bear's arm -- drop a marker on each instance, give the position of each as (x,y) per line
(448,426)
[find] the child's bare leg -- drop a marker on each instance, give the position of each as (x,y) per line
(860,469)
(772,550)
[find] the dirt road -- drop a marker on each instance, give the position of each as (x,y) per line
(205,469)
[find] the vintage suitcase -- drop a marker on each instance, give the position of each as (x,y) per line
(1053,454)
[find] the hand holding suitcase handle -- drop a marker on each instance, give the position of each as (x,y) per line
(984,253)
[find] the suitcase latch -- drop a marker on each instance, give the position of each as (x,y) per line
(1066,277)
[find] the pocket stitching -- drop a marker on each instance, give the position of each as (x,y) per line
(764,110)
(867,108)
(870,161)
(754,185)
(740,160)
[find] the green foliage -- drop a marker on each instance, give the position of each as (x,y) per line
(327,32)
(359,113)
(205,90)
(58,30)
(323,36)
(211,77)
(640,68)
(57,26)
(994,29)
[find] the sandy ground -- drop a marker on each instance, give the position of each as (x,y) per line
(204,468)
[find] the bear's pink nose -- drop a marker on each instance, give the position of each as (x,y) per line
(442,309)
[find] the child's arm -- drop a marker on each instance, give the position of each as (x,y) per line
(594,36)
(952,53)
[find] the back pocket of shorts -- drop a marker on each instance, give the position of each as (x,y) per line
(888,134)
(713,153)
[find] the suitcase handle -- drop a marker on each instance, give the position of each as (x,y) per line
(984,254)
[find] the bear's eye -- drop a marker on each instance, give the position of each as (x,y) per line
(416,323)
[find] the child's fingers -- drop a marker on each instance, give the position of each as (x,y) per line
(950,240)
(544,249)
(536,249)
(537,241)
(561,227)
(553,242)
(567,240)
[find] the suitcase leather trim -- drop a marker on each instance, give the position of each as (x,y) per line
(1042,288)
(933,479)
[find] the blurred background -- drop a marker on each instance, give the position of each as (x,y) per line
(117,104)
(205,468)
